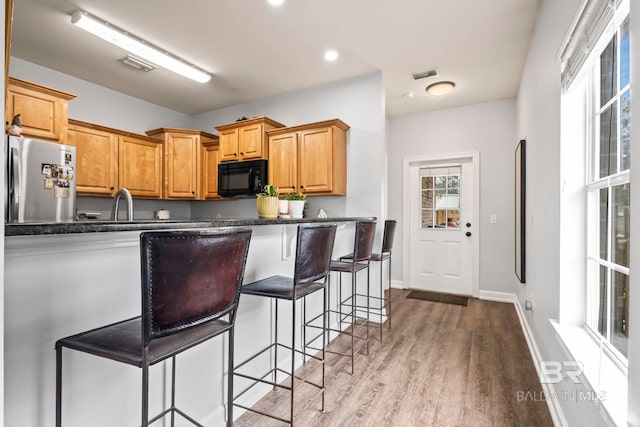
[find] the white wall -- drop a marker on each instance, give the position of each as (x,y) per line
(99,105)
(634,297)
(359,102)
(2,190)
(539,117)
(488,128)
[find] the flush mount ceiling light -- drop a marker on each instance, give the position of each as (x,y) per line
(440,88)
(137,47)
(330,55)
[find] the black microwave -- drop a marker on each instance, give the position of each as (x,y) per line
(242,179)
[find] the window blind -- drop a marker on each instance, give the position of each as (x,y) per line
(591,21)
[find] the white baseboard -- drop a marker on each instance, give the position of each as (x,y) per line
(498,296)
(398,284)
(557,415)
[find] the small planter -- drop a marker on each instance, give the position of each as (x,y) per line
(296,207)
(284,207)
(267,207)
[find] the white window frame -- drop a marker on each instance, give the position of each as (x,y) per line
(593,186)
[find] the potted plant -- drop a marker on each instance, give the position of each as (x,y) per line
(296,204)
(267,202)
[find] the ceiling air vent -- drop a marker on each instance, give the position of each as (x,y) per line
(138,64)
(426,74)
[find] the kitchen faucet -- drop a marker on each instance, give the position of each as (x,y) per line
(116,200)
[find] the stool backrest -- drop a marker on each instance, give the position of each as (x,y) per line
(389,233)
(363,246)
(189,278)
(313,252)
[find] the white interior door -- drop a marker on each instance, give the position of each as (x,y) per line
(442,226)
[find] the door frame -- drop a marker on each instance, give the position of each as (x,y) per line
(407,164)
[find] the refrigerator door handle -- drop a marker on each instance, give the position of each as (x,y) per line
(14,191)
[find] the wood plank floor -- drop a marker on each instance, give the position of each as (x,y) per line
(440,365)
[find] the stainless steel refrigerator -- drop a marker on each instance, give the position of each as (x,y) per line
(40,177)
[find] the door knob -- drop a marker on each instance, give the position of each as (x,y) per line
(468,233)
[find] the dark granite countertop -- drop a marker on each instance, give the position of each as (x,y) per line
(36,229)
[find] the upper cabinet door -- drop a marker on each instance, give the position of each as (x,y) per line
(229,145)
(209,171)
(283,162)
(43,111)
(315,159)
(181,166)
(96,160)
(140,166)
(251,142)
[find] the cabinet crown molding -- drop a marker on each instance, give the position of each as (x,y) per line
(75,122)
(201,133)
(249,122)
(323,124)
(43,89)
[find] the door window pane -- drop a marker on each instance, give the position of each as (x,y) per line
(620,223)
(440,197)
(625,54)
(604,222)
(608,72)
(619,333)
(602,302)
(625,130)
(609,141)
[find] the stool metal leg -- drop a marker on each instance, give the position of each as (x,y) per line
(230,378)
(145,388)
(383,300)
(58,386)
(389,304)
(368,309)
(324,333)
(293,353)
(275,349)
(353,318)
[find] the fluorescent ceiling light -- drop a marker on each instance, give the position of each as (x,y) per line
(137,47)
(440,88)
(330,55)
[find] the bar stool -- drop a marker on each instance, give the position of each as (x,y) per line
(313,254)
(385,254)
(190,281)
(360,260)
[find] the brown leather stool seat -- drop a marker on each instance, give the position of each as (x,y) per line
(190,292)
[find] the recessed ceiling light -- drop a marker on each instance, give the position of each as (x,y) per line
(276,2)
(330,55)
(440,88)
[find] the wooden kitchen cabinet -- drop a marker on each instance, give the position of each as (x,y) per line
(108,159)
(210,158)
(44,112)
(182,161)
(246,139)
(309,158)
(283,163)
(140,166)
(96,159)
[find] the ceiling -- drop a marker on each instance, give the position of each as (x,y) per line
(255,50)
